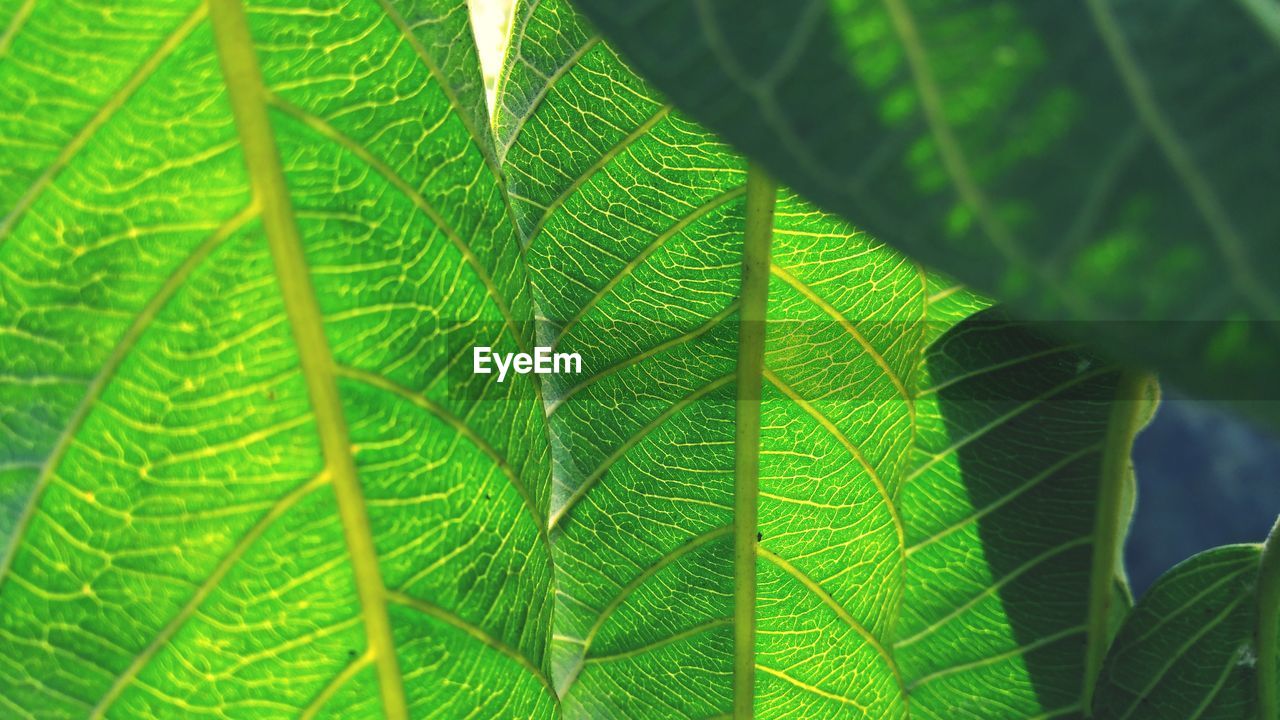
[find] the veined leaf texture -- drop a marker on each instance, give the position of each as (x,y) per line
(245,472)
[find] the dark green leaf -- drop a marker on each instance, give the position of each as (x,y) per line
(1187,650)
(1100,161)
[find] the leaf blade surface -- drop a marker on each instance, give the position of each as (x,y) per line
(214,505)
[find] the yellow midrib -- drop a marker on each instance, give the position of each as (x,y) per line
(248,100)
(761,199)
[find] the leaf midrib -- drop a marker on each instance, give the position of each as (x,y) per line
(761,201)
(412,195)
(1123,423)
(248,98)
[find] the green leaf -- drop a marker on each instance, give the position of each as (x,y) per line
(249,472)
(1188,648)
(908,502)
(1090,161)
(246,487)
(1014,442)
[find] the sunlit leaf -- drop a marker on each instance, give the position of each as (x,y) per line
(245,487)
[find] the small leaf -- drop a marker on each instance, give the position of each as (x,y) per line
(1187,650)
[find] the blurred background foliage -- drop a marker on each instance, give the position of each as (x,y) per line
(1205,477)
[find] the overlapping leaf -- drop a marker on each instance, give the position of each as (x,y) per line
(1089,161)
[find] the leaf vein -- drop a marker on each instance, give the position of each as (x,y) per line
(99,383)
(475,632)
(100,118)
(412,195)
(202,592)
(826,598)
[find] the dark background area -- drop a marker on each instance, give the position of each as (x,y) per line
(1205,478)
